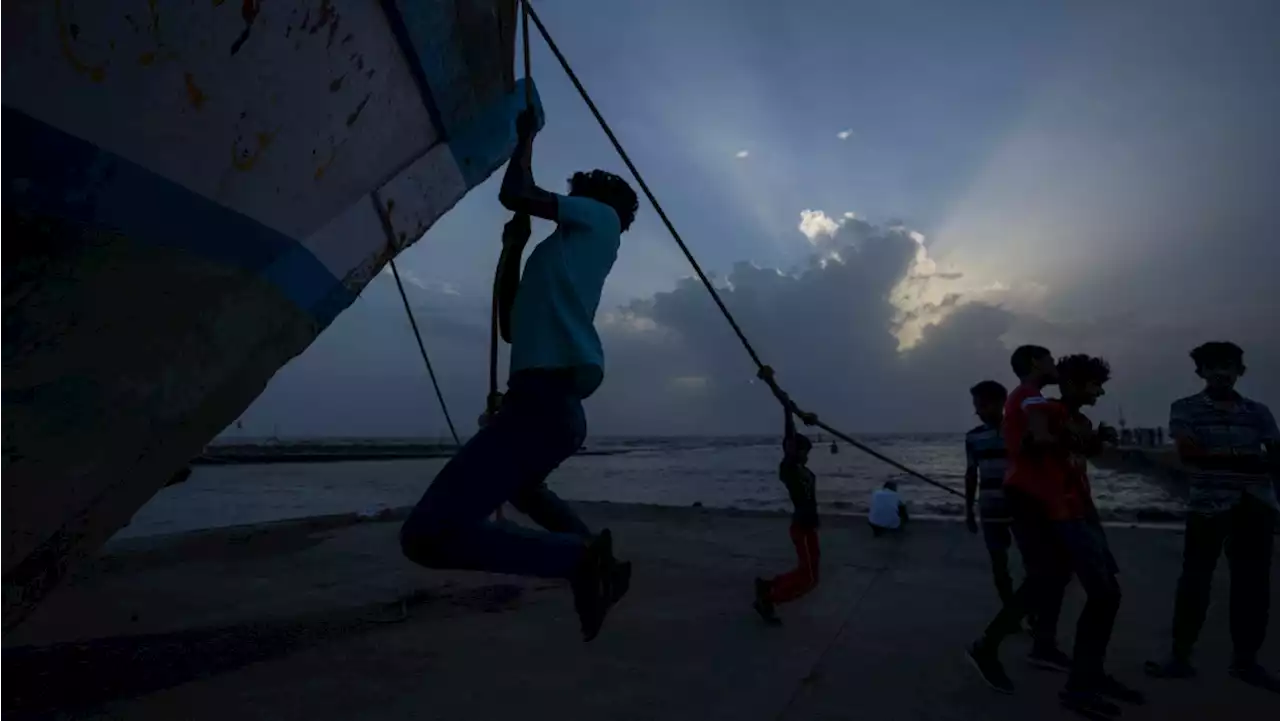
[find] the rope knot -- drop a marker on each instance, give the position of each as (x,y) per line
(770,379)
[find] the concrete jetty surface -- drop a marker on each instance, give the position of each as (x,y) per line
(323,619)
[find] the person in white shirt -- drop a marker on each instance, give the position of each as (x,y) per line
(888,512)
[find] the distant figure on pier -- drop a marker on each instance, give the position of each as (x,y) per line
(888,512)
(1230,447)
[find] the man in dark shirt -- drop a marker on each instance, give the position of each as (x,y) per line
(1230,448)
(800,484)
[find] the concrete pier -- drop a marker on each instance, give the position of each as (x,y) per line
(323,619)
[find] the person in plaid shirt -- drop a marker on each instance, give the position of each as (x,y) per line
(1230,448)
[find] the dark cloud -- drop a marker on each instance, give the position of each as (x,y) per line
(829,331)
(676,367)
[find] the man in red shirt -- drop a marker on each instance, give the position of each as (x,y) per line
(1027,472)
(1057,528)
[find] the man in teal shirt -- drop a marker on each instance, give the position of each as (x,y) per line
(556,362)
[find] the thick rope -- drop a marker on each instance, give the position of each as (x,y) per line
(422,348)
(810,419)
(880,456)
(617,146)
(494,398)
(528,62)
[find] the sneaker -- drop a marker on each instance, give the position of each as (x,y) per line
(1111,688)
(593,586)
(988,666)
(764,605)
(1255,675)
(1173,667)
(1087,702)
(1050,658)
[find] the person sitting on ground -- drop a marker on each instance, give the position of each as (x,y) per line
(556,362)
(801,486)
(888,512)
(1230,447)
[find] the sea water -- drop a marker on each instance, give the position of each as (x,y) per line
(735,472)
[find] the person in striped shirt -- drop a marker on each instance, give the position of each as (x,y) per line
(985,463)
(1230,448)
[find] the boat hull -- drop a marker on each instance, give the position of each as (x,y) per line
(192,193)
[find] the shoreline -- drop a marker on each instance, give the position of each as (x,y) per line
(252,459)
(249,491)
(245,532)
(326,452)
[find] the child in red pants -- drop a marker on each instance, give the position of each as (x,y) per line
(800,483)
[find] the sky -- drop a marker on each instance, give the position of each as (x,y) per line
(890,194)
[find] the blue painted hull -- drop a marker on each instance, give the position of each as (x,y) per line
(150,294)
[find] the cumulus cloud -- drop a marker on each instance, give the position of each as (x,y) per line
(674,365)
(845,134)
(874,337)
(830,330)
(869,333)
(742,154)
(816,224)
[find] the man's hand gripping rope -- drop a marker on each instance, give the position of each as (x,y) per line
(767,375)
